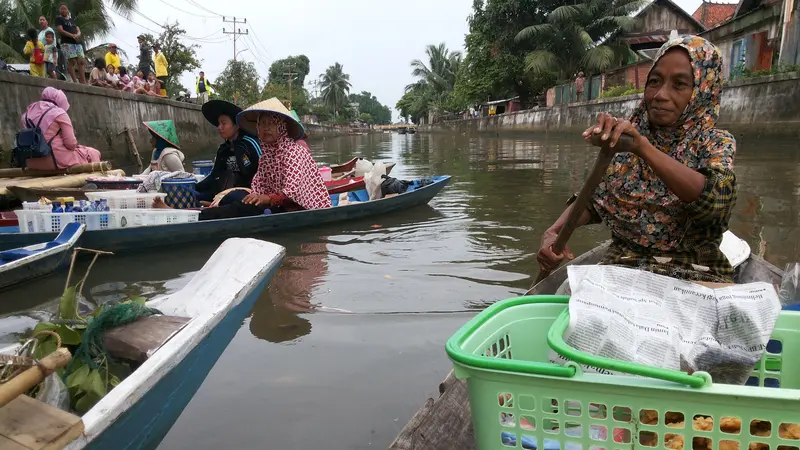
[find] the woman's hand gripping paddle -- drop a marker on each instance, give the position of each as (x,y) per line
(624,144)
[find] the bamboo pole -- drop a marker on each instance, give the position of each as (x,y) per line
(23,382)
(64,181)
(132,149)
(103,166)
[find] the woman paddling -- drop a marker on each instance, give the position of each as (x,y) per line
(667,201)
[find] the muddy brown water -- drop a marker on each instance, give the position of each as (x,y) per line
(298,376)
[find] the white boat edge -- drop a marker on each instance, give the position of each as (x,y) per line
(49,252)
(231,273)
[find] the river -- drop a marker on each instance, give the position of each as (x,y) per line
(298,376)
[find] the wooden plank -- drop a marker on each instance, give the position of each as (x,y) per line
(38,426)
(442,424)
(138,340)
(8,444)
(103,166)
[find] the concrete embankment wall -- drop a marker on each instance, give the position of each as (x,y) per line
(767,106)
(99,115)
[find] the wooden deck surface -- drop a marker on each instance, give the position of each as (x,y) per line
(28,424)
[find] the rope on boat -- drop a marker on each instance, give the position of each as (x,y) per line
(12,365)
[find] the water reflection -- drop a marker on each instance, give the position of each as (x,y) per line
(277,316)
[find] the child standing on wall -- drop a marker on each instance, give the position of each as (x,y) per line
(50,54)
(35,49)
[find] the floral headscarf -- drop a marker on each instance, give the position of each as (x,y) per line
(286,168)
(634,202)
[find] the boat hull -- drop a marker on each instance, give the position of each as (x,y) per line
(40,259)
(146,423)
(213,230)
(36,269)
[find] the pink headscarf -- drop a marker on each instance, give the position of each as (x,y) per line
(53,100)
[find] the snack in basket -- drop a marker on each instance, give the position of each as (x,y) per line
(789,431)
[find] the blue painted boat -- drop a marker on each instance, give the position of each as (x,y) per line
(139,412)
(37,260)
(208,230)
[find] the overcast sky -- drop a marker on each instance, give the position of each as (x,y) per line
(374,39)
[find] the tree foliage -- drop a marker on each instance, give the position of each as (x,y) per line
(579,36)
(335,86)
(181,58)
(300,65)
(436,80)
(92,16)
(299,96)
(369,105)
(494,65)
(238,83)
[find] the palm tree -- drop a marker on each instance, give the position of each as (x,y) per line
(92,16)
(335,87)
(440,72)
(580,36)
(436,80)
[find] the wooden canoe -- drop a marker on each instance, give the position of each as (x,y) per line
(446,422)
(208,312)
(26,263)
(139,238)
(34,194)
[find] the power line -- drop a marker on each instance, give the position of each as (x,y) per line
(236,32)
(187,12)
(204,8)
(257,53)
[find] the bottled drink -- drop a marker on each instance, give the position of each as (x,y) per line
(57,207)
(69,206)
(103,205)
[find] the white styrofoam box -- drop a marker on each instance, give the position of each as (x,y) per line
(36,206)
(128,218)
(127,199)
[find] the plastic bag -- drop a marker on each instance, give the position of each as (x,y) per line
(363,167)
(54,392)
(373,180)
(789,293)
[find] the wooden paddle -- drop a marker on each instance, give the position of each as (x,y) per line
(598,171)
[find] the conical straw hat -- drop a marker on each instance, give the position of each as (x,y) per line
(165,129)
(248,119)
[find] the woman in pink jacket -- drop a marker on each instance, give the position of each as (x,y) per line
(56,125)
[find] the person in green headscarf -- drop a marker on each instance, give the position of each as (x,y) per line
(302,140)
(167,156)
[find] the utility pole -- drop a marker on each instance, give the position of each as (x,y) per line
(236,32)
(290,79)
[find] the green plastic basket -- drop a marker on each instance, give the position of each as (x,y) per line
(521,400)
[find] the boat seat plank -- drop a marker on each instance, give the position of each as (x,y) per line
(138,340)
(8,444)
(442,424)
(26,423)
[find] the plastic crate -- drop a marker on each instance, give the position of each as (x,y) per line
(519,399)
(129,218)
(129,199)
(33,221)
